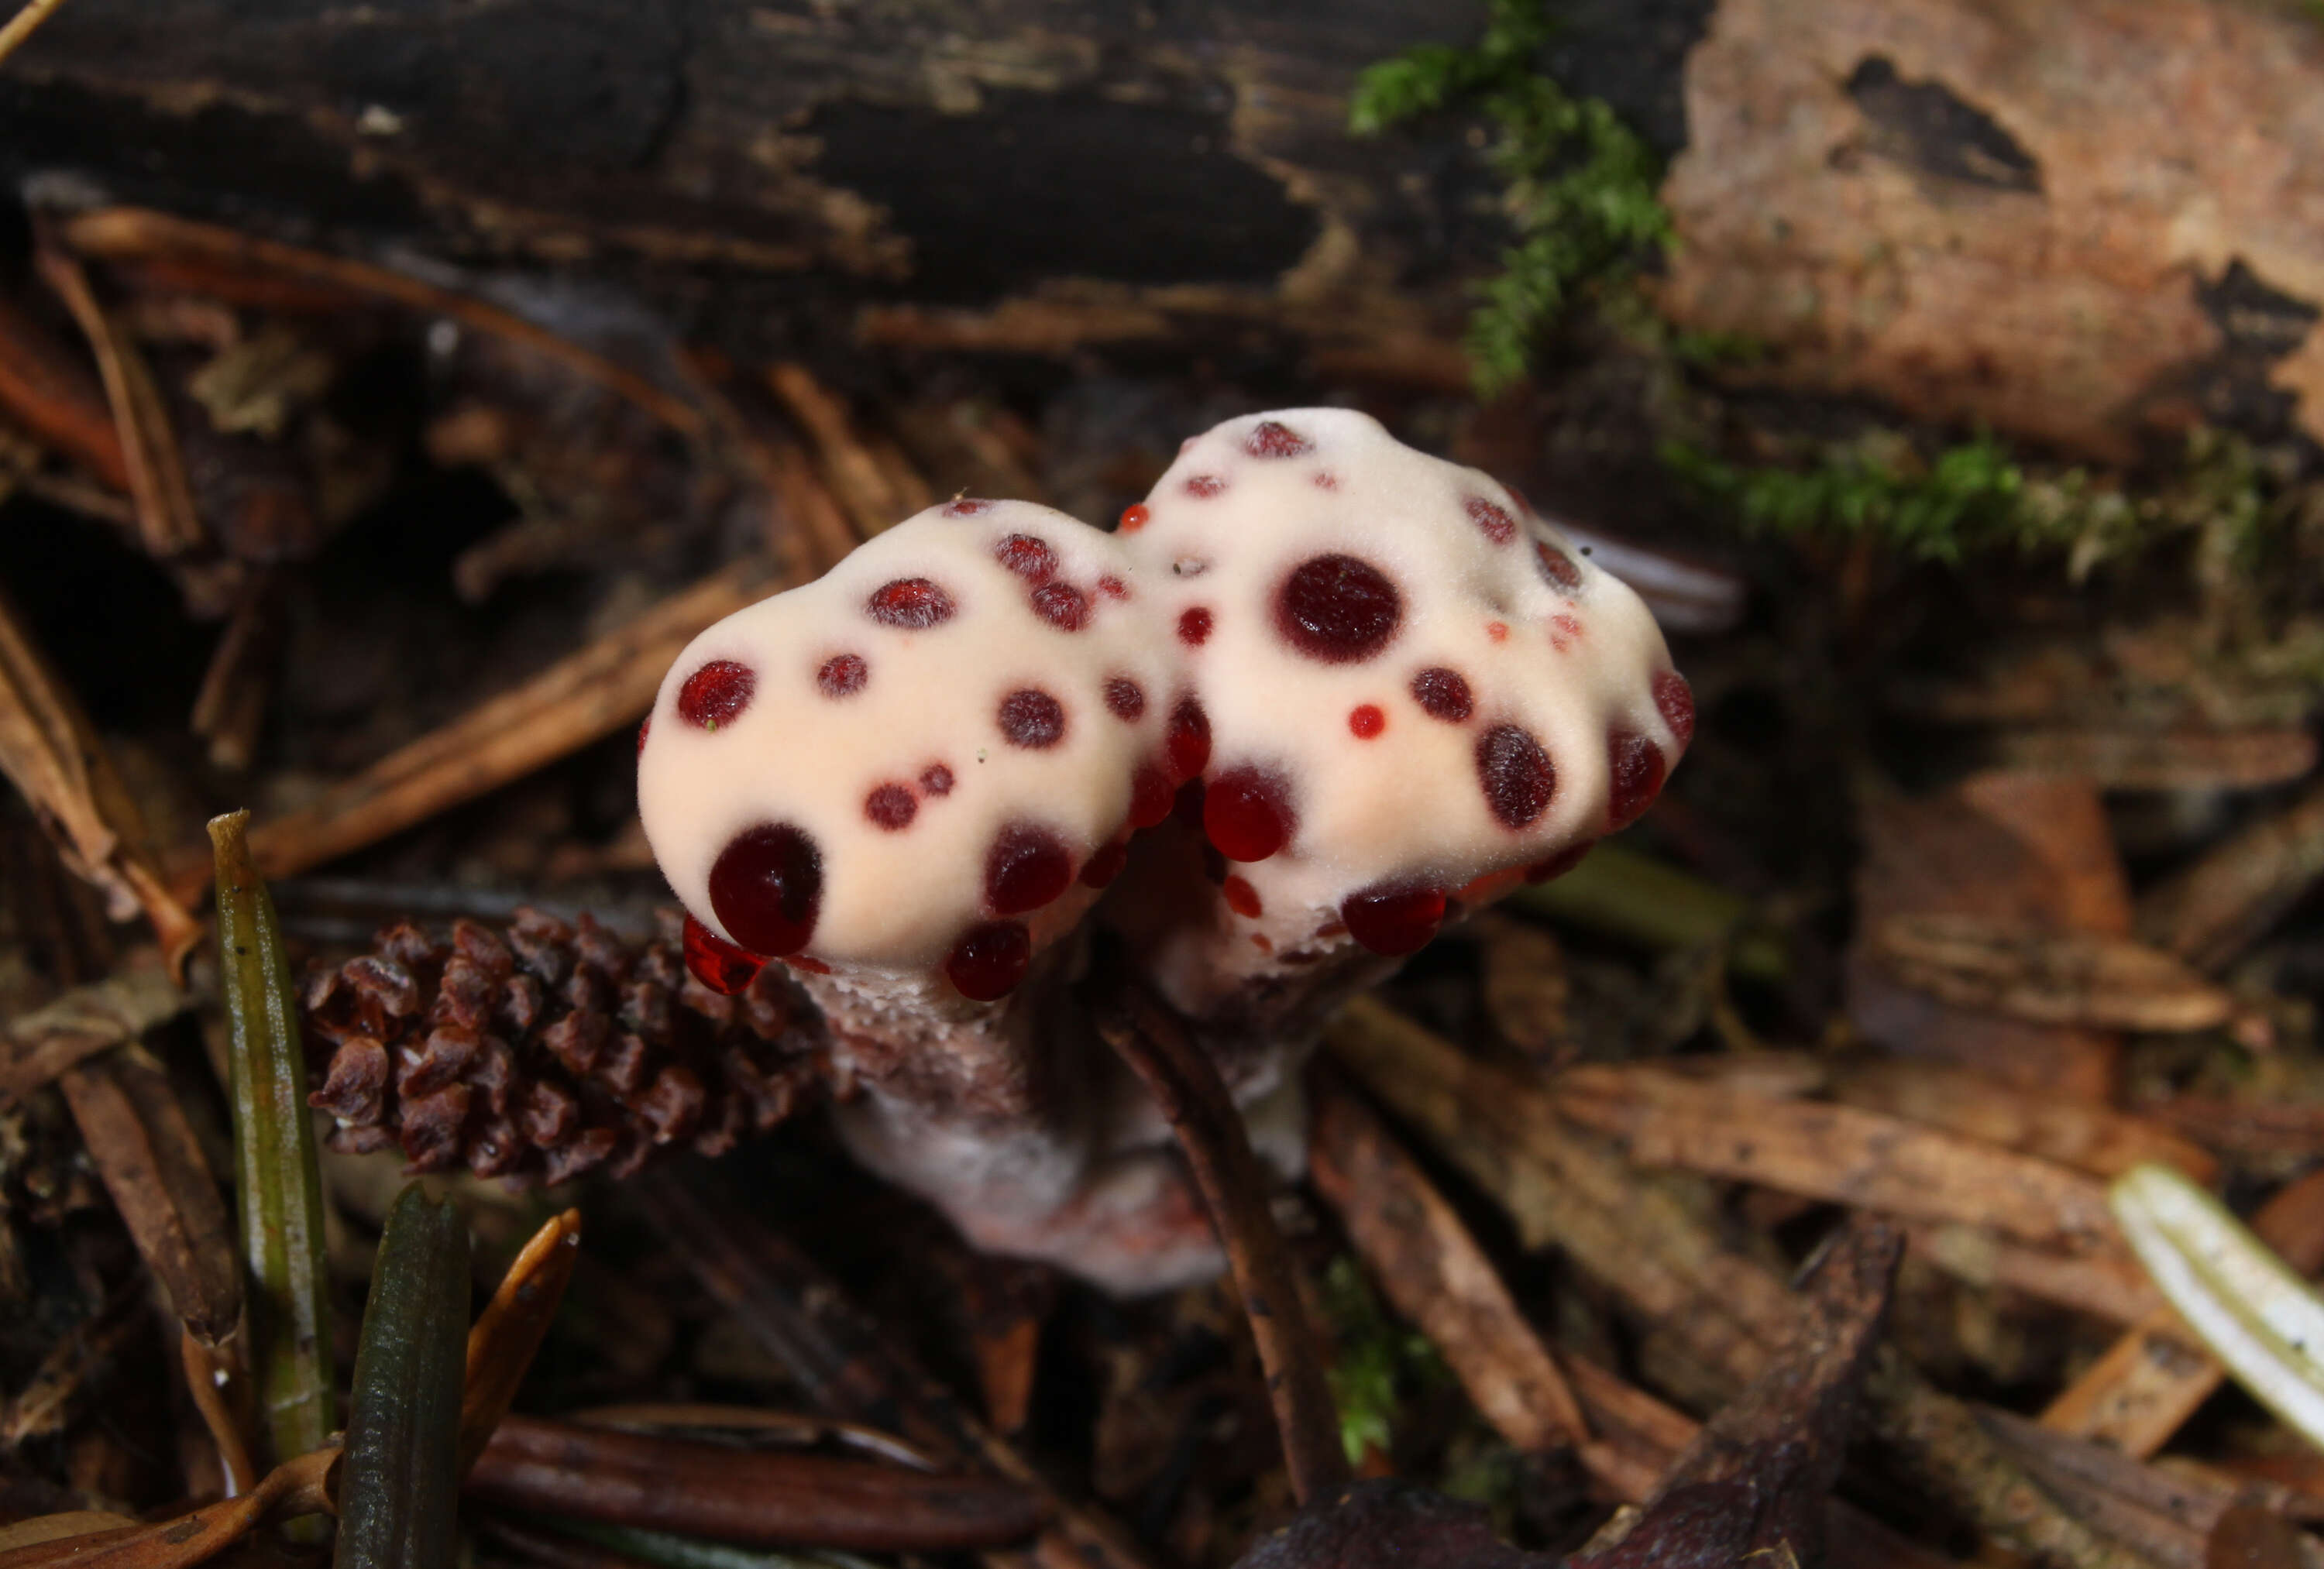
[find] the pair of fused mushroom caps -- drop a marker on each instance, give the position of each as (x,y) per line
(1378,681)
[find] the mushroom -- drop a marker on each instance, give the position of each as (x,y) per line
(1418,694)
(908,781)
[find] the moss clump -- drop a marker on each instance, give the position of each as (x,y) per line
(1581,186)
(1376,1365)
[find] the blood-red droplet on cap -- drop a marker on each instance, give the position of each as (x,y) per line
(1124,698)
(1113,587)
(717,963)
(843,675)
(1026,866)
(1105,864)
(766,887)
(714,694)
(936,779)
(1674,701)
(1241,898)
(645,727)
(1517,776)
(1032,719)
(1189,739)
(1246,814)
(913,603)
(1337,608)
(1029,558)
(1393,921)
(1193,626)
(966,506)
(1442,693)
(1061,605)
(1150,795)
(1635,766)
(1492,517)
(1366,721)
(989,960)
(1557,568)
(1558,865)
(1273,439)
(892,807)
(1204,486)
(1135,516)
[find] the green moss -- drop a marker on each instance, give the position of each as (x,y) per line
(1581,186)
(1375,1363)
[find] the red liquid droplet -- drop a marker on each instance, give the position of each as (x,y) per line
(645,725)
(1246,814)
(1061,605)
(1393,921)
(1106,864)
(1635,764)
(1113,588)
(1029,558)
(843,675)
(1557,569)
(1194,627)
(1494,519)
(1032,719)
(714,694)
(1517,776)
(1442,693)
(1366,721)
(1150,795)
(966,506)
(1674,701)
(1189,740)
(936,779)
(1270,439)
(1124,698)
(1135,516)
(766,887)
(1242,897)
(1026,868)
(892,807)
(1337,608)
(1204,486)
(986,963)
(913,603)
(717,963)
(1558,865)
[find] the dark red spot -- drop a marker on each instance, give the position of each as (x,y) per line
(1499,631)
(1366,721)
(1337,608)
(1061,605)
(1636,764)
(1193,626)
(1558,865)
(1442,693)
(1105,864)
(1241,898)
(1187,806)
(1557,568)
(1189,739)
(1112,588)
(1674,701)
(1124,698)
(717,963)
(1150,795)
(644,725)
(714,694)
(1029,558)
(1246,814)
(1204,486)
(843,675)
(1032,719)
(936,779)
(1493,518)
(986,963)
(766,887)
(913,603)
(1517,776)
(892,807)
(1026,866)
(1135,516)
(1271,439)
(1393,920)
(1326,479)
(966,507)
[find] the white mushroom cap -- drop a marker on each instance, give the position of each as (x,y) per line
(1412,681)
(911,763)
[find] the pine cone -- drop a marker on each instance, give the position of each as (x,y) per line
(549,1052)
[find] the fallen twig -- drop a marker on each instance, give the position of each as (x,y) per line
(86,1020)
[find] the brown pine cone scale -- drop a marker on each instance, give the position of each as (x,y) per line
(549,1051)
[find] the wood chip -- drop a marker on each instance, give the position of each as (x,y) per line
(2073,978)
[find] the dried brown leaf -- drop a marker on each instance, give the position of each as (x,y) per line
(510,1330)
(2049,978)
(81,1022)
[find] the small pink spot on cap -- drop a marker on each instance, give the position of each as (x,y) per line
(1557,568)
(1499,631)
(1026,556)
(842,675)
(716,693)
(1124,698)
(1366,721)
(912,604)
(1113,588)
(1492,517)
(1203,487)
(1326,479)
(966,506)
(936,779)
(1271,439)
(1193,626)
